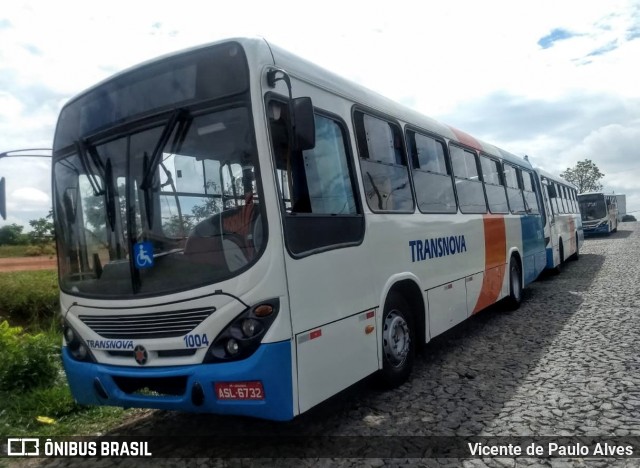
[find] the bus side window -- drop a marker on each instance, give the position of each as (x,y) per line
(385,174)
(546,191)
(317,186)
(318,180)
(574,201)
(493,185)
(331,190)
(516,200)
(431,174)
(563,194)
(468,185)
(530,198)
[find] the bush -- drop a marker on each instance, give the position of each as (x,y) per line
(33,251)
(28,361)
(48,249)
(29,297)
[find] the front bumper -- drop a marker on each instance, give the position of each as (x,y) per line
(99,384)
(602,229)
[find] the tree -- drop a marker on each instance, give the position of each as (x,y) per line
(12,235)
(585,175)
(42,231)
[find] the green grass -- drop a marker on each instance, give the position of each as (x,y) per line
(29,298)
(28,386)
(19,415)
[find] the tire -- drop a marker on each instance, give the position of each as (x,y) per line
(514,299)
(398,342)
(576,255)
(558,268)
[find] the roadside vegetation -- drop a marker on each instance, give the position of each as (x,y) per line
(8,251)
(36,400)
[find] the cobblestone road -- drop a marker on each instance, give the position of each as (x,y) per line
(565,363)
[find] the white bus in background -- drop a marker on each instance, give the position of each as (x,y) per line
(599,213)
(242,232)
(562,225)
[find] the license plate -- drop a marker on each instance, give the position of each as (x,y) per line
(240,391)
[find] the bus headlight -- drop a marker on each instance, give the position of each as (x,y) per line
(77,347)
(250,327)
(243,335)
(232,347)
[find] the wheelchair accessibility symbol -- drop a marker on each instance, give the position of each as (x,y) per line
(143,252)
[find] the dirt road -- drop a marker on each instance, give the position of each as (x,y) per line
(27,263)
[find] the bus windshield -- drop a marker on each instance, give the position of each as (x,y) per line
(198,217)
(592,207)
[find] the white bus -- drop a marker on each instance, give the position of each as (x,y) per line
(599,213)
(242,232)
(563,233)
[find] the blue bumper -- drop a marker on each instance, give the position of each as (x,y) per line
(270,364)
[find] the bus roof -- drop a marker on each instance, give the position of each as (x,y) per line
(318,76)
(555,178)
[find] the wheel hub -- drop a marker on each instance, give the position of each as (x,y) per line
(395,339)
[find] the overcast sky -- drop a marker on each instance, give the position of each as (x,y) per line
(557,80)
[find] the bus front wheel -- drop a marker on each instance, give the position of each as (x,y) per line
(398,342)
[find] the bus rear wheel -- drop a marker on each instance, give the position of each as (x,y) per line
(576,255)
(398,342)
(514,299)
(558,268)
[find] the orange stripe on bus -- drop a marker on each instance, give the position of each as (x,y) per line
(495,247)
(466,139)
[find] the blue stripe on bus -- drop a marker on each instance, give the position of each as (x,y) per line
(533,246)
(270,364)
(550,257)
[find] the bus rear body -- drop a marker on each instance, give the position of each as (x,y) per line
(209,263)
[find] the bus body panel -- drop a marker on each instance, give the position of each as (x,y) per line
(532,248)
(334,356)
(447,306)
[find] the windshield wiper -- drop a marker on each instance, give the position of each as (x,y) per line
(181,119)
(105,172)
(81,148)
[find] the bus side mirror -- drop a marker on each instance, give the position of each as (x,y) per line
(3,199)
(304,136)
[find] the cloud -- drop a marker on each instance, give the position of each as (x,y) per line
(503,117)
(613,45)
(28,188)
(554,36)
(30,199)
(32,49)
